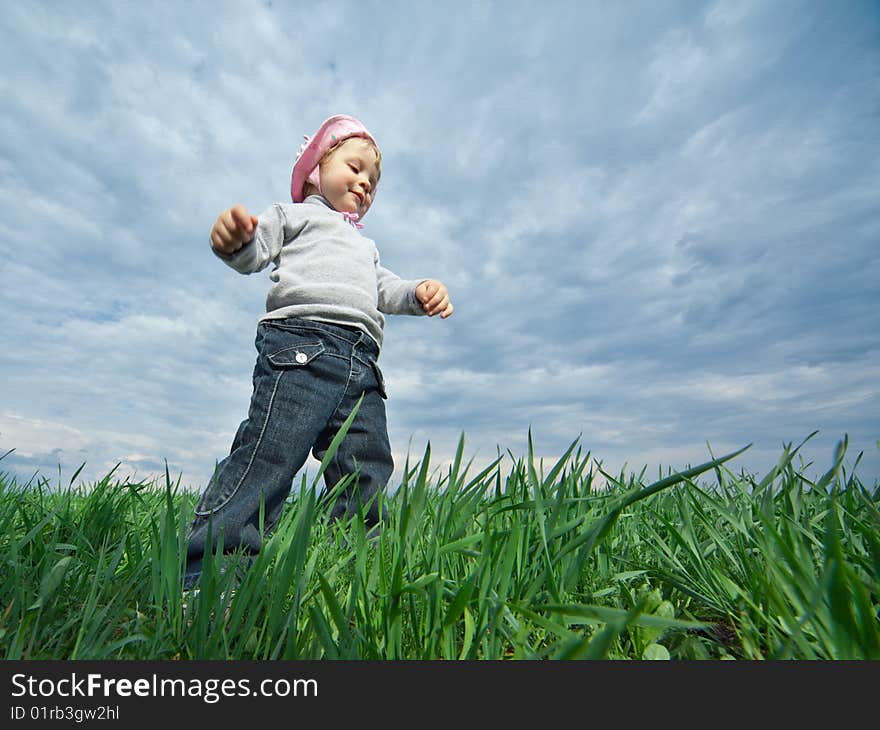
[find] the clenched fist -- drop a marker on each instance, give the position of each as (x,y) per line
(434,298)
(233,229)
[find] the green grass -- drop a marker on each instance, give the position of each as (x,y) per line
(515,562)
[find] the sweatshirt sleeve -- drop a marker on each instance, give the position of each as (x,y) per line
(396,295)
(276,226)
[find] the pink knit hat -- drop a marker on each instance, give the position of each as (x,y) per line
(333,130)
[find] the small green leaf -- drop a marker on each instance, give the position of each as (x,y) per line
(51,581)
(655,652)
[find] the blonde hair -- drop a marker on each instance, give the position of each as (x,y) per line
(310,189)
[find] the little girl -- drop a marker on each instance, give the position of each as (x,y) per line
(317,344)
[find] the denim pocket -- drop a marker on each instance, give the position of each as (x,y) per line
(302,353)
(381,381)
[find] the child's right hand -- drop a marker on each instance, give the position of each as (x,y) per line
(233,229)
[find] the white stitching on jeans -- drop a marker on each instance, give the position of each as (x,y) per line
(253,453)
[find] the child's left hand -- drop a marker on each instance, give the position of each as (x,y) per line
(434,298)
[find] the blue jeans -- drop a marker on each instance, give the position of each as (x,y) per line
(308,377)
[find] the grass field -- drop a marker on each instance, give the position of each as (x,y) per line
(518,561)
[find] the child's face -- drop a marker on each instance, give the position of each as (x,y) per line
(349,176)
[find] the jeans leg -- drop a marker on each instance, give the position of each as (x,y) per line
(296,386)
(365,450)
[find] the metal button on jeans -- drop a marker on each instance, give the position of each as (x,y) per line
(301,357)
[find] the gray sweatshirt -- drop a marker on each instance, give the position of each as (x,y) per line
(324,269)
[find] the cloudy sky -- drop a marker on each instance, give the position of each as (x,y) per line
(658,221)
